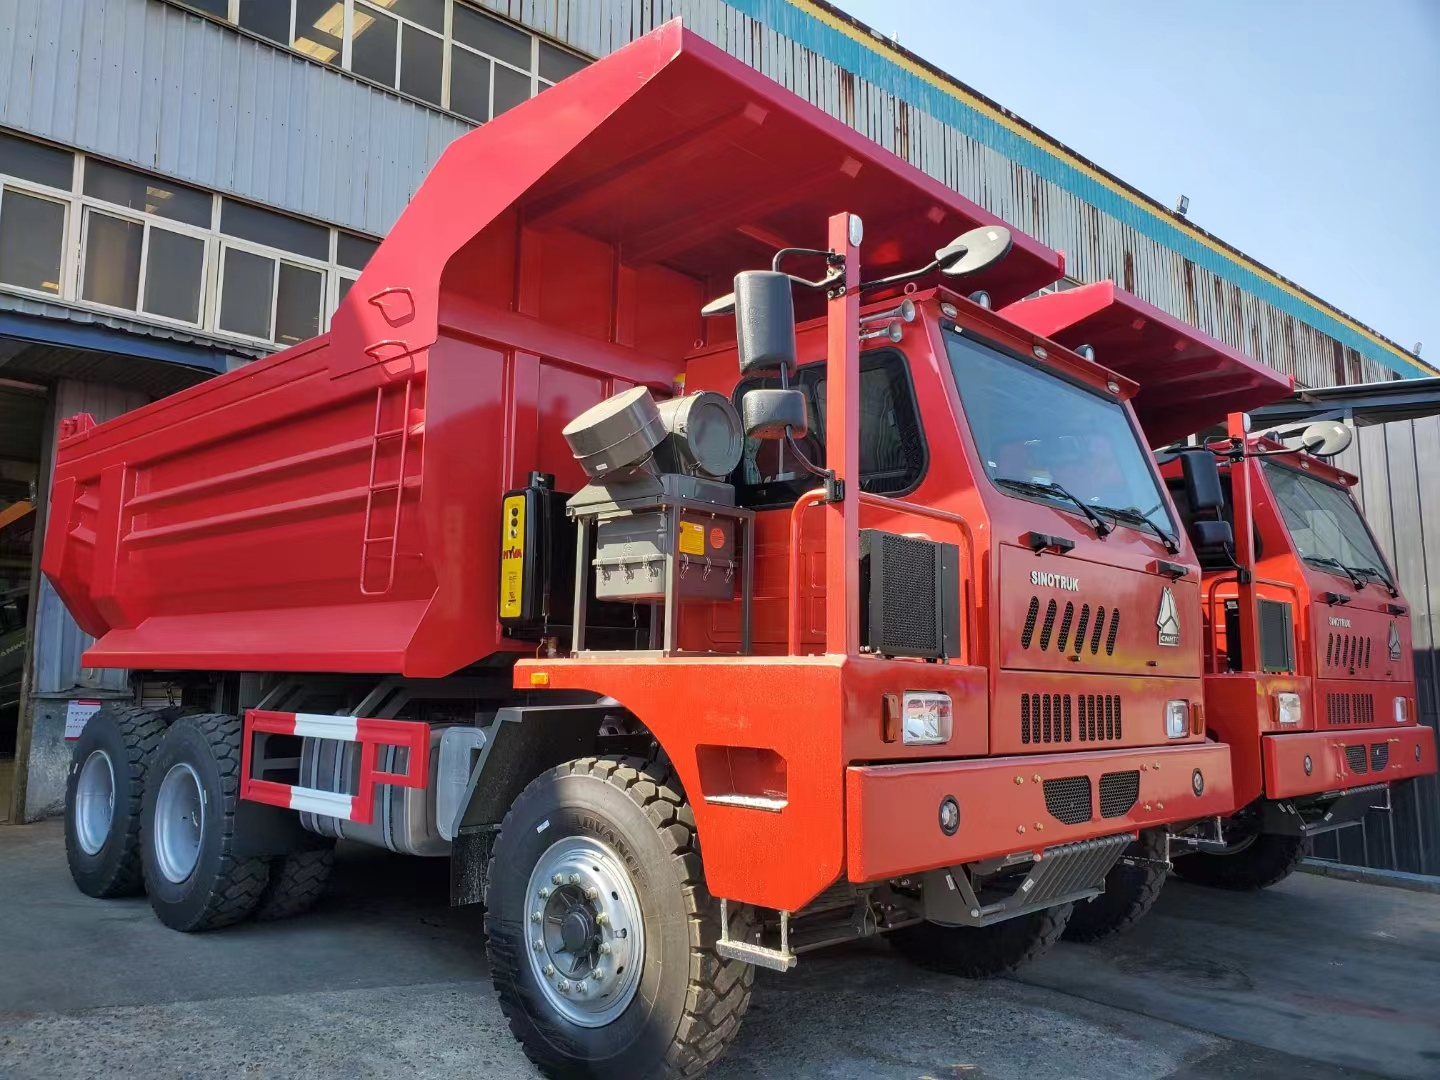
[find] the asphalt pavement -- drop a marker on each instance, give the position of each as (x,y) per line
(1316,979)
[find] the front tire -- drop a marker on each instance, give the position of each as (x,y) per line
(1130,891)
(1267,860)
(103,796)
(611,837)
(979,952)
(187,828)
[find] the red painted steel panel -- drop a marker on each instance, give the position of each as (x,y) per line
(1407,752)
(892,811)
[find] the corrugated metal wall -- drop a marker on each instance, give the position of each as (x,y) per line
(1399,469)
(145,82)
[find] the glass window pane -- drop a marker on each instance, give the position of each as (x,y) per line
(174,272)
(555,63)
(511,88)
(429,13)
(36,162)
(297,312)
(420,58)
(152,194)
(275,230)
(345,284)
(500,40)
(372,45)
(268,18)
(245,293)
(354,251)
(112,260)
(218,8)
(469,84)
(32,232)
(320,29)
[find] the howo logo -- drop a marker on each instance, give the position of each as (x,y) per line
(1168,619)
(1394,642)
(1054,581)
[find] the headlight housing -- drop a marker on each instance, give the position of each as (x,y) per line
(926,718)
(1402,710)
(1287,708)
(1177,719)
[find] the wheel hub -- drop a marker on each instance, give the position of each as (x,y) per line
(586,930)
(179,822)
(94,802)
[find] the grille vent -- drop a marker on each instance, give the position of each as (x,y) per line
(1118,793)
(1049,626)
(1356,758)
(1379,756)
(1091,630)
(1114,630)
(1348,652)
(1068,799)
(1028,633)
(1061,718)
(1065,625)
(1348,710)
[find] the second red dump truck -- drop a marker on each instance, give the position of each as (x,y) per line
(888,624)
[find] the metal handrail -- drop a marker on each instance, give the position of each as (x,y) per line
(899,506)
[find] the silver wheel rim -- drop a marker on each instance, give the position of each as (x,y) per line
(94,802)
(179,822)
(585,931)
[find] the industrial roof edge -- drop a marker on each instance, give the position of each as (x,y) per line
(858,48)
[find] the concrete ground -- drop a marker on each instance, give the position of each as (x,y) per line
(1315,980)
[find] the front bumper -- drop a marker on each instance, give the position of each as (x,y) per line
(1314,762)
(893,812)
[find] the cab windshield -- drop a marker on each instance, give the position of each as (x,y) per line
(1043,438)
(1325,525)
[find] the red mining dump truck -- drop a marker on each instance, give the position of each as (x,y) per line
(837,643)
(1309,670)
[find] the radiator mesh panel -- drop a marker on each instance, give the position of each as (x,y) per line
(1357,758)
(1118,793)
(1379,756)
(1063,718)
(909,611)
(1068,799)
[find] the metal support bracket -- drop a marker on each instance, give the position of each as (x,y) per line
(781,959)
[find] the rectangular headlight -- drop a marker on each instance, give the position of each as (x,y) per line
(1177,719)
(926,718)
(1402,712)
(1287,708)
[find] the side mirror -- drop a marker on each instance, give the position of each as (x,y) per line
(1326,438)
(1202,480)
(767,413)
(764,322)
(1212,535)
(974,251)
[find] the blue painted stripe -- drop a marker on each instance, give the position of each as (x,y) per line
(97,338)
(876,68)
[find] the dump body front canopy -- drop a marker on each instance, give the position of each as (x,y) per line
(1188,380)
(336,507)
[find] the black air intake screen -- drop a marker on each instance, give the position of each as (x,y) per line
(1118,792)
(1068,799)
(1357,757)
(1277,651)
(909,596)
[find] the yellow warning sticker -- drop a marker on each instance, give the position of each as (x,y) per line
(692,538)
(512,557)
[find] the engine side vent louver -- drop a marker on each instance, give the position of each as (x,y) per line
(1028,633)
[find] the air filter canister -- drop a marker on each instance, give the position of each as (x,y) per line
(618,434)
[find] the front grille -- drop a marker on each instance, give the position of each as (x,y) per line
(1059,718)
(1356,758)
(1379,756)
(1348,710)
(1118,792)
(1348,652)
(1068,799)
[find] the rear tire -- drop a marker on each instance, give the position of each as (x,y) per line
(979,952)
(187,828)
(1130,891)
(1267,860)
(297,881)
(103,796)
(620,837)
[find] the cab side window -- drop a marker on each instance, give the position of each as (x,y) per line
(893,455)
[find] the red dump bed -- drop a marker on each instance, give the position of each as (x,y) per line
(336,506)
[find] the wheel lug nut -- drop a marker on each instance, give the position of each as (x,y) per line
(592,893)
(602,919)
(556,879)
(549,970)
(579,987)
(574,879)
(535,916)
(563,986)
(544,894)
(596,975)
(538,945)
(604,948)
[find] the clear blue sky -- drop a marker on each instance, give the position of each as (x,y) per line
(1306,134)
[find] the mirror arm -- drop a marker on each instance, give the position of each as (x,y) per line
(909,275)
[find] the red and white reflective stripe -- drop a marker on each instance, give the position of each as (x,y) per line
(371,734)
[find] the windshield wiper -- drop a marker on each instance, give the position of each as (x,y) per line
(1371,572)
(1133,516)
(1102,529)
(1326,560)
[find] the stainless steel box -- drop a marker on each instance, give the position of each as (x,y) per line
(630,555)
